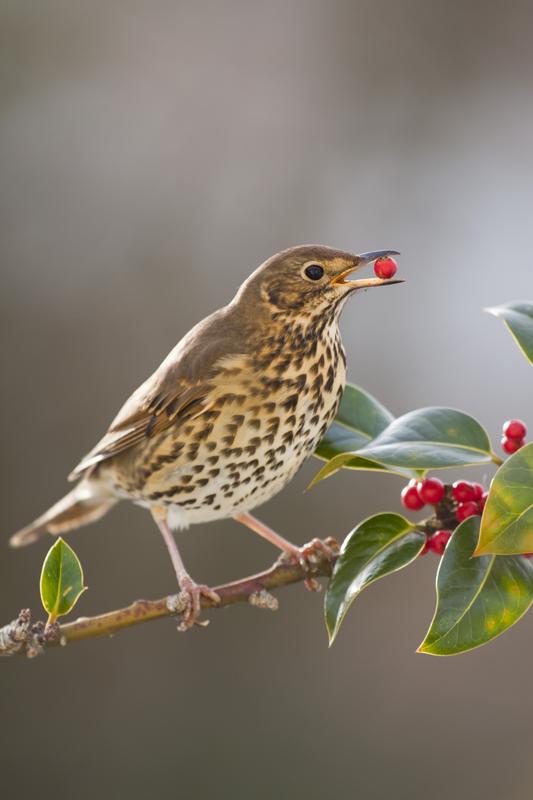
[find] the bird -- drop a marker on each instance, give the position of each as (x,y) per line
(230,415)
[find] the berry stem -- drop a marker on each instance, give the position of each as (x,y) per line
(496,459)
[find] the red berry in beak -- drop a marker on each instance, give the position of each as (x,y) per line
(385,268)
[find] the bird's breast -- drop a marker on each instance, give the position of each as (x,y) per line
(260,425)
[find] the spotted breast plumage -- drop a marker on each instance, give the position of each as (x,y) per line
(232,412)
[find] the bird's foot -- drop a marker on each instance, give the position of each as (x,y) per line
(317,550)
(309,557)
(313,552)
(193,594)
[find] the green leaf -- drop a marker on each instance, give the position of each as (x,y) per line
(360,419)
(353,461)
(378,546)
(477,598)
(430,438)
(507,522)
(61,580)
(518,317)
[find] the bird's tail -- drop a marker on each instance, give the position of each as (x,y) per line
(84,504)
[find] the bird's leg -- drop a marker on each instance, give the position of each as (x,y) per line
(303,555)
(194,590)
(267,533)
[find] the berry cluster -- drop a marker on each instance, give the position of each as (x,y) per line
(514,435)
(470,498)
(453,504)
(418,494)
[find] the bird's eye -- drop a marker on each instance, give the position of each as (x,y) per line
(314,272)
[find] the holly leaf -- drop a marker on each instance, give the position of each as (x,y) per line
(360,419)
(507,522)
(430,438)
(477,598)
(378,546)
(351,461)
(518,317)
(61,581)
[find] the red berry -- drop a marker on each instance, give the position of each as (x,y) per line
(465,510)
(431,491)
(438,541)
(410,498)
(479,489)
(512,445)
(463,491)
(385,267)
(483,500)
(514,429)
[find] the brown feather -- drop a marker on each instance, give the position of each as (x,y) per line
(77,508)
(179,389)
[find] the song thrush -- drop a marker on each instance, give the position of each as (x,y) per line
(232,412)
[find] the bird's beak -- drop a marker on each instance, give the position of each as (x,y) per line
(365,283)
(366,258)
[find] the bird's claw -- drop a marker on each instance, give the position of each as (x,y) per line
(317,550)
(309,556)
(193,594)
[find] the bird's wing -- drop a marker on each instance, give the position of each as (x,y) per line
(179,389)
(150,410)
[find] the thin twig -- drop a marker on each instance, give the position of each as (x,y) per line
(21,637)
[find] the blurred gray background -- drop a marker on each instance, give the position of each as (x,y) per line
(151,155)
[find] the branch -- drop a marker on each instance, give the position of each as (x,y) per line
(21,637)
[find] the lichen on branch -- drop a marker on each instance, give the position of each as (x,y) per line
(22,637)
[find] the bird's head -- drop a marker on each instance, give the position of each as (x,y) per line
(310,279)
